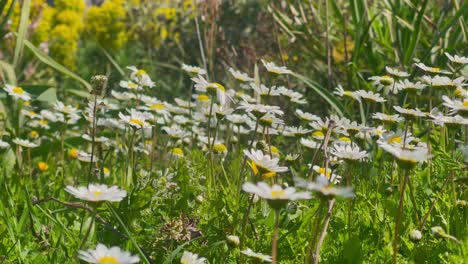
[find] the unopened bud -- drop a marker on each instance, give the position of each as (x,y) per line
(415,235)
(99,83)
(233,241)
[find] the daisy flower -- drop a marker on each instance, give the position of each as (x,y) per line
(408,158)
(444,82)
(370,96)
(275,195)
(135,119)
(432,70)
(262,90)
(17,92)
(130,85)
(193,69)
(97,193)
(395,138)
(105,255)
(332,177)
(263,165)
(259,110)
(348,152)
(191,258)
(389,119)
(345,93)
(409,86)
(396,73)
(293,96)
(309,143)
(457,59)
(323,186)
(409,113)
(273,68)
(439,119)
(456,105)
(24,143)
(259,256)
(291,131)
(140,76)
(86,157)
(240,76)
(382,81)
(123,96)
(306,116)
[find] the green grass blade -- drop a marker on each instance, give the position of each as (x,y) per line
(9,72)
(409,51)
(21,36)
(57,66)
(326,95)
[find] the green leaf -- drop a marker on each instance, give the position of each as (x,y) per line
(49,96)
(57,66)
(20,37)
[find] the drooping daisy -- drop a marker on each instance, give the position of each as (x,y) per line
(105,255)
(193,69)
(258,256)
(140,76)
(17,92)
(370,96)
(97,193)
(444,82)
(24,143)
(345,93)
(273,68)
(348,152)
(263,165)
(135,119)
(457,59)
(324,187)
(432,70)
(191,258)
(240,76)
(309,143)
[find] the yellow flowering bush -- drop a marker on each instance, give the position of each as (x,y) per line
(106,23)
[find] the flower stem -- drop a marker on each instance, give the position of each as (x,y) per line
(331,203)
(398,218)
(274,247)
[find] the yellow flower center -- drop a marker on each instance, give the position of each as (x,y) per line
(33,134)
(346,139)
(18,90)
(97,193)
(108,260)
(393,140)
(44,122)
(277,194)
(465,103)
(322,171)
(178,151)
(434,69)
(106,170)
(157,106)
(140,72)
(274,150)
(219,148)
(132,85)
(137,122)
(348,93)
(318,133)
(203,97)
